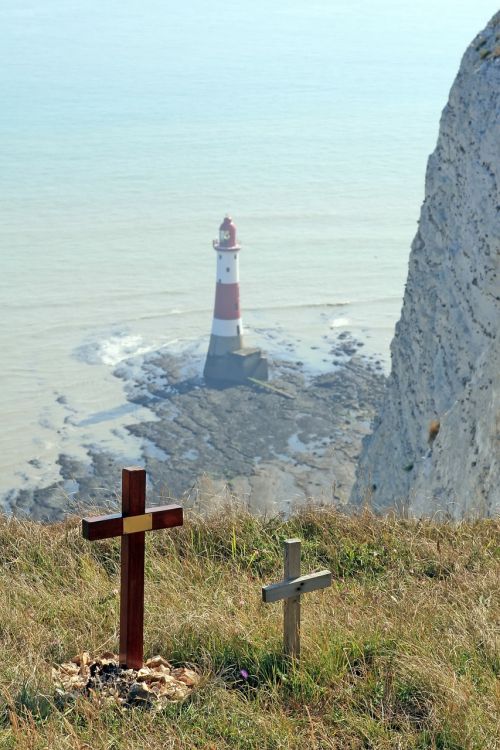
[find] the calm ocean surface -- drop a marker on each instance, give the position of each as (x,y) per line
(128,129)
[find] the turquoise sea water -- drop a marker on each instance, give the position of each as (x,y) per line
(128,129)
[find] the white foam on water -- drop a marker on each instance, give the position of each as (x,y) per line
(339,323)
(114,349)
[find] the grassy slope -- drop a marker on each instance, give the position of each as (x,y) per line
(399,653)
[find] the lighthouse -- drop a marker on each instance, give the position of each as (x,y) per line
(228,361)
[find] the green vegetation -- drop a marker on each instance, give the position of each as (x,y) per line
(400,652)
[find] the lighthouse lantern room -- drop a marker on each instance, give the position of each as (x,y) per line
(227,359)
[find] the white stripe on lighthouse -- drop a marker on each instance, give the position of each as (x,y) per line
(227,327)
(228,268)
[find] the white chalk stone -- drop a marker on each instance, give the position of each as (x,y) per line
(445,353)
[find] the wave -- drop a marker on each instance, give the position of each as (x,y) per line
(68,302)
(300,306)
(122,347)
(114,349)
(206,311)
(248,309)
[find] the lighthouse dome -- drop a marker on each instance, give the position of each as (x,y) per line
(227,234)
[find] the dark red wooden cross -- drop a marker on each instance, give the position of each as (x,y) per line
(131,524)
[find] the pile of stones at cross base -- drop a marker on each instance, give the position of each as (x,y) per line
(156,683)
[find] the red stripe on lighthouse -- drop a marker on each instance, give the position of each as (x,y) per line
(227,302)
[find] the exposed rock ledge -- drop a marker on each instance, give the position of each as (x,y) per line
(270,448)
(435,446)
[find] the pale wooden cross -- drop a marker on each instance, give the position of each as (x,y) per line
(290,590)
(131,524)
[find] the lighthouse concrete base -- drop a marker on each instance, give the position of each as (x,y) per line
(221,345)
(236,367)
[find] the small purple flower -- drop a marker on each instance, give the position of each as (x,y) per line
(244,674)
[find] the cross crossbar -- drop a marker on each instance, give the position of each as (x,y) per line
(274,592)
(153,519)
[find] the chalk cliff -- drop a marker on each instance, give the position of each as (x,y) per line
(435,444)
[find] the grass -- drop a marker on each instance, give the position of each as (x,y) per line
(400,652)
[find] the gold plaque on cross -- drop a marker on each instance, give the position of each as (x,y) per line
(133,524)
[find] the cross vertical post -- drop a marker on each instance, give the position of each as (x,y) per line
(290,590)
(131,525)
(132,571)
(291,606)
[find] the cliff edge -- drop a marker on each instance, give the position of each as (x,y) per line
(435,442)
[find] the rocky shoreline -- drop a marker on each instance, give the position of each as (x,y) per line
(272,448)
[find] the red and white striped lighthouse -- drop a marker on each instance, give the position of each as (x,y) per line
(227,359)
(227,328)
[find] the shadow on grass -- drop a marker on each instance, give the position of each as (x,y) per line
(28,703)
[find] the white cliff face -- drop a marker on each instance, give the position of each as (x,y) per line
(445,352)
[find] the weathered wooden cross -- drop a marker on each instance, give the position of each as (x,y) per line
(130,524)
(290,590)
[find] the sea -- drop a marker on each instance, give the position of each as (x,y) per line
(129,128)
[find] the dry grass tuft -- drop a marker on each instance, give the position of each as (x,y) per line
(401,652)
